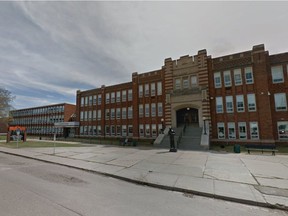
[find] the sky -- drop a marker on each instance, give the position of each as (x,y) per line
(49,50)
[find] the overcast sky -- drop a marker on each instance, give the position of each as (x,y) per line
(48,50)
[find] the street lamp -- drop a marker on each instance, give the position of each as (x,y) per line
(204,120)
(162,122)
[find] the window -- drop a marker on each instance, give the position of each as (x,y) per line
(140,110)
(153,90)
(159,88)
(147,130)
(124,130)
(107,130)
(147,110)
(124,95)
(185,82)
(249,75)
(194,81)
(146,90)
(99,130)
(130,130)
(227,78)
(219,105)
(90,115)
(277,74)
(140,91)
(99,99)
(280,102)
(254,133)
(118,96)
(107,111)
(153,109)
(130,95)
(282,129)
(229,104)
(242,130)
(94,99)
(118,113)
(124,113)
(81,116)
(160,109)
(231,130)
(154,130)
(240,103)
(217,80)
(177,84)
(130,112)
(90,100)
(99,114)
(112,130)
(112,97)
(237,77)
(221,130)
(118,130)
(107,98)
(113,113)
(94,114)
(86,103)
(251,102)
(141,130)
(82,101)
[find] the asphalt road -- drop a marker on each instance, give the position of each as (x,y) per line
(33,188)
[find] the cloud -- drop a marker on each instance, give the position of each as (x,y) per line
(55,48)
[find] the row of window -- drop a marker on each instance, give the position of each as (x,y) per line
(237,74)
(39,120)
(44,130)
(282,128)
(149,89)
(186,82)
(38,111)
(111,97)
(240,105)
(145,130)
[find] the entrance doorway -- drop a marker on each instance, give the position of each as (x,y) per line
(188,116)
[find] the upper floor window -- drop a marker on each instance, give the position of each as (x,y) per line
(153,89)
(146,90)
(82,101)
(94,99)
(237,77)
(99,99)
(147,110)
(140,91)
(159,88)
(194,81)
(112,97)
(177,84)
(240,103)
(130,95)
(140,110)
(118,96)
(219,105)
(107,98)
(249,75)
(160,109)
(280,102)
(130,112)
(251,102)
(217,80)
(185,82)
(227,78)
(124,95)
(277,74)
(229,104)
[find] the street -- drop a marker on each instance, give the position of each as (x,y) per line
(33,188)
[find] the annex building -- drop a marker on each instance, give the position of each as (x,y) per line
(40,121)
(238,98)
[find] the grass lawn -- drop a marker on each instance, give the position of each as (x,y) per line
(37,144)
(230,149)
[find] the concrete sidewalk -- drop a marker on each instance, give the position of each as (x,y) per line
(255,179)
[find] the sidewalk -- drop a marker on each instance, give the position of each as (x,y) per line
(254,179)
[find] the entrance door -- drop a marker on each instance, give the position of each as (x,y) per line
(188,116)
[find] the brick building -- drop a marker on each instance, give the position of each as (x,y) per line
(39,121)
(242,98)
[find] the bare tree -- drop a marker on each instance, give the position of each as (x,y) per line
(6,99)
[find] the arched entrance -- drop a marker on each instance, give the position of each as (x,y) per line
(188,116)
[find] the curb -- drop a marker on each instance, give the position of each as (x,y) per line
(163,187)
